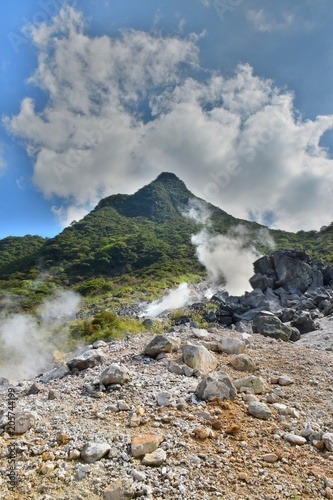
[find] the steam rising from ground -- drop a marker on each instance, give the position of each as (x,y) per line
(174,299)
(28,343)
(228,258)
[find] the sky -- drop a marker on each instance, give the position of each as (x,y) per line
(99,97)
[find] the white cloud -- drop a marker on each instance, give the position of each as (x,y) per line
(122,110)
(264,22)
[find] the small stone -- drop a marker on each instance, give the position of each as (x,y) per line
(115,374)
(98,344)
(85,358)
(161,343)
(198,357)
(270,458)
(63,438)
(294,438)
(329,493)
(257,384)
(216,385)
(92,452)
(243,363)
(328,440)
(53,395)
(47,468)
(164,398)
(285,380)
(202,432)
(24,420)
(231,345)
(82,470)
(123,406)
(140,411)
(135,421)
(138,475)
(141,445)
(155,459)
(74,454)
(259,410)
(319,444)
(33,389)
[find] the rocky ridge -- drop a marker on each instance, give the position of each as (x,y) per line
(193,414)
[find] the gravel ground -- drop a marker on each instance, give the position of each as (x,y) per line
(212,449)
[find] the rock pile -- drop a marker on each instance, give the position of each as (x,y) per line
(295,289)
(251,418)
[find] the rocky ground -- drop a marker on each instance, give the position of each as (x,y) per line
(141,430)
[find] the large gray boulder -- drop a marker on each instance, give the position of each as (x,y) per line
(292,269)
(271,326)
(161,343)
(198,357)
(115,374)
(85,358)
(216,385)
(304,323)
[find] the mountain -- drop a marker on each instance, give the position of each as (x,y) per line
(144,235)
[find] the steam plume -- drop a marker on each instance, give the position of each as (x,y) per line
(28,343)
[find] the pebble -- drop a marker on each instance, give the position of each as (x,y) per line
(294,438)
(141,445)
(155,459)
(259,410)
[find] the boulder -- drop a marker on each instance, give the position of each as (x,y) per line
(216,385)
(243,363)
(91,452)
(115,374)
(198,357)
(259,410)
(231,345)
(292,269)
(141,445)
(161,343)
(256,384)
(54,374)
(85,358)
(24,420)
(271,326)
(304,323)
(155,459)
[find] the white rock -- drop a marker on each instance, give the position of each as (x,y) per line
(328,440)
(294,438)
(285,380)
(24,420)
(231,345)
(164,398)
(92,452)
(115,374)
(154,459)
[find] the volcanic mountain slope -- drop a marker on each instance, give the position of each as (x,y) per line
(143,233)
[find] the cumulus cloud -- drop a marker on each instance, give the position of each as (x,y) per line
(121,110)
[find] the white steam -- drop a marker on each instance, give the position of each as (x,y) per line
(28,343)
(226,259)
(174,299)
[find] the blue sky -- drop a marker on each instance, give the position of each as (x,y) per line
(98,97)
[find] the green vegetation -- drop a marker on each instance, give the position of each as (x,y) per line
(104,326)
(129,248)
